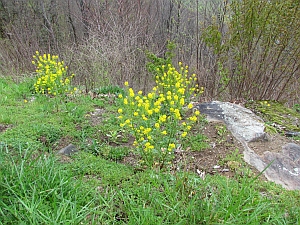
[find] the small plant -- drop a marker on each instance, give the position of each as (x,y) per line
(114,136)
(221,131)
(297,107)
(195,142)
(52,78)
(156,119)
(236,163)
(110,89)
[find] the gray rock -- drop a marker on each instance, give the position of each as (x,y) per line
(282,168)
(285,166)
(70,149)
(242,122)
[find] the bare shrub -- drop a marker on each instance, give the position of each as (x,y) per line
(258,57)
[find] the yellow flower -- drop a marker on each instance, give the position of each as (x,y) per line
(181,101)
(193,118)
(25,101)
(125,101)
(120,110)
(164,132)
(184,134)
(135,113)
(150,95)
(190,105)
(163,118)
(147,130)
(181,90)
(156,110)
(126,83)
(140,92)
(171,146)
(131,92)
(157,125)
(197,113)
(177,114)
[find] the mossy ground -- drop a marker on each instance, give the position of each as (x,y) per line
(276,115)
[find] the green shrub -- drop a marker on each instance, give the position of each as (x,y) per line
(156,119)
(52,78)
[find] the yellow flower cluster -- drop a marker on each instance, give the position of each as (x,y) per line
(52,76)
(155,119)
(171,81)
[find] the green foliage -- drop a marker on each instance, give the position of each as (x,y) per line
(156,119)
(195,142)
(33,190)
(157,62)
(111,173)
(110,89)
(213,37)
(39,187)
(255,47)
(276,114)
(52,76)
(221,132)
(296,107)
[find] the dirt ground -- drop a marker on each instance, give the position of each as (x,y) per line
(224,156)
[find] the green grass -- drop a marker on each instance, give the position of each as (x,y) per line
(93,187)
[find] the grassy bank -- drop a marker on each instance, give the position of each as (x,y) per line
(94,186)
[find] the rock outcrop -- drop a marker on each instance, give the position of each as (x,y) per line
(280,167)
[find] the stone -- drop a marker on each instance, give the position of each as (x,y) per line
(280,167)
(242,122)
(69,150)
(284,167)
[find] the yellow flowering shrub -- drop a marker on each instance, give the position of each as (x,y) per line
(52,78)
(157,119)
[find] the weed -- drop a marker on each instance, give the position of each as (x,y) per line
(156,119)
(195,142)
(52,75)
(111,89)
(221,131)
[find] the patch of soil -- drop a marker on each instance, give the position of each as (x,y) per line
(4,127)
(208,161)
(205,161)
(96,116)
(214,160)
